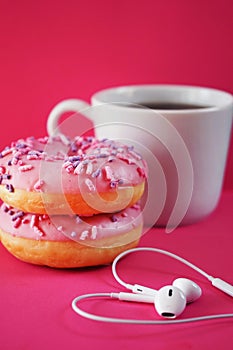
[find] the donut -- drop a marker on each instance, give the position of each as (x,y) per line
(60,176)
(65,241)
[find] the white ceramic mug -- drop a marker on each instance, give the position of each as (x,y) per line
(185,148)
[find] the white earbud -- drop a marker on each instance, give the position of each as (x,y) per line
(189,288)
(169,301)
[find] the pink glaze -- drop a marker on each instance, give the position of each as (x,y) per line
(59,165)
(65,228)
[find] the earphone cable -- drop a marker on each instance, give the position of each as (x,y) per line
(216,282)
(99,318)
(157,250)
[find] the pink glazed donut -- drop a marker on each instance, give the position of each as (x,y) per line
(69,241)
(59,176)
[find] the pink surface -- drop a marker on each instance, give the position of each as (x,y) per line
(35,301)
(57,49)
(52,50)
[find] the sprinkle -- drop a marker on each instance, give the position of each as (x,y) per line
(75,164)
(85,147)
(73,148)
(93,232)
(24,168)
(38,231)
(70,169)
(17,154)
(2,170)
(136,155)
(66,164)
(77,219)
(84,235)
(108,172)
(15,161)
(26,150)
(5,208)
(73,234)
(33,153)
(6,151)
(17,222)
(33,221)
(43,140)
(89,168)
(74,158)
(111,159)
(114,218)
(60,228)
(6,176)
(96,173)
(21,145)
(80,152)
(113,184)
(125,158)
(104,150)
(10,188)
(38,185)
(32,157)
(17,215)
(79,168)
(124,214)
(141,172)
(136,206)
(42,155)
(79,140)
(104,155)
(90,185)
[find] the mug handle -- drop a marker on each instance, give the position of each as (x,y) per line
(69,105)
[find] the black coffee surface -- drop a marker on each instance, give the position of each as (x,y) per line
(168,105)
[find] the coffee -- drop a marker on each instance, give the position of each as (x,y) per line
(168,105)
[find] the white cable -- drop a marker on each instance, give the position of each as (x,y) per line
(165,252)
(216,282)
(135,321)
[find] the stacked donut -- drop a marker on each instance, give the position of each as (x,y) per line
(70,203)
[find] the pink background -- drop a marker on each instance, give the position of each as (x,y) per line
(51,50)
